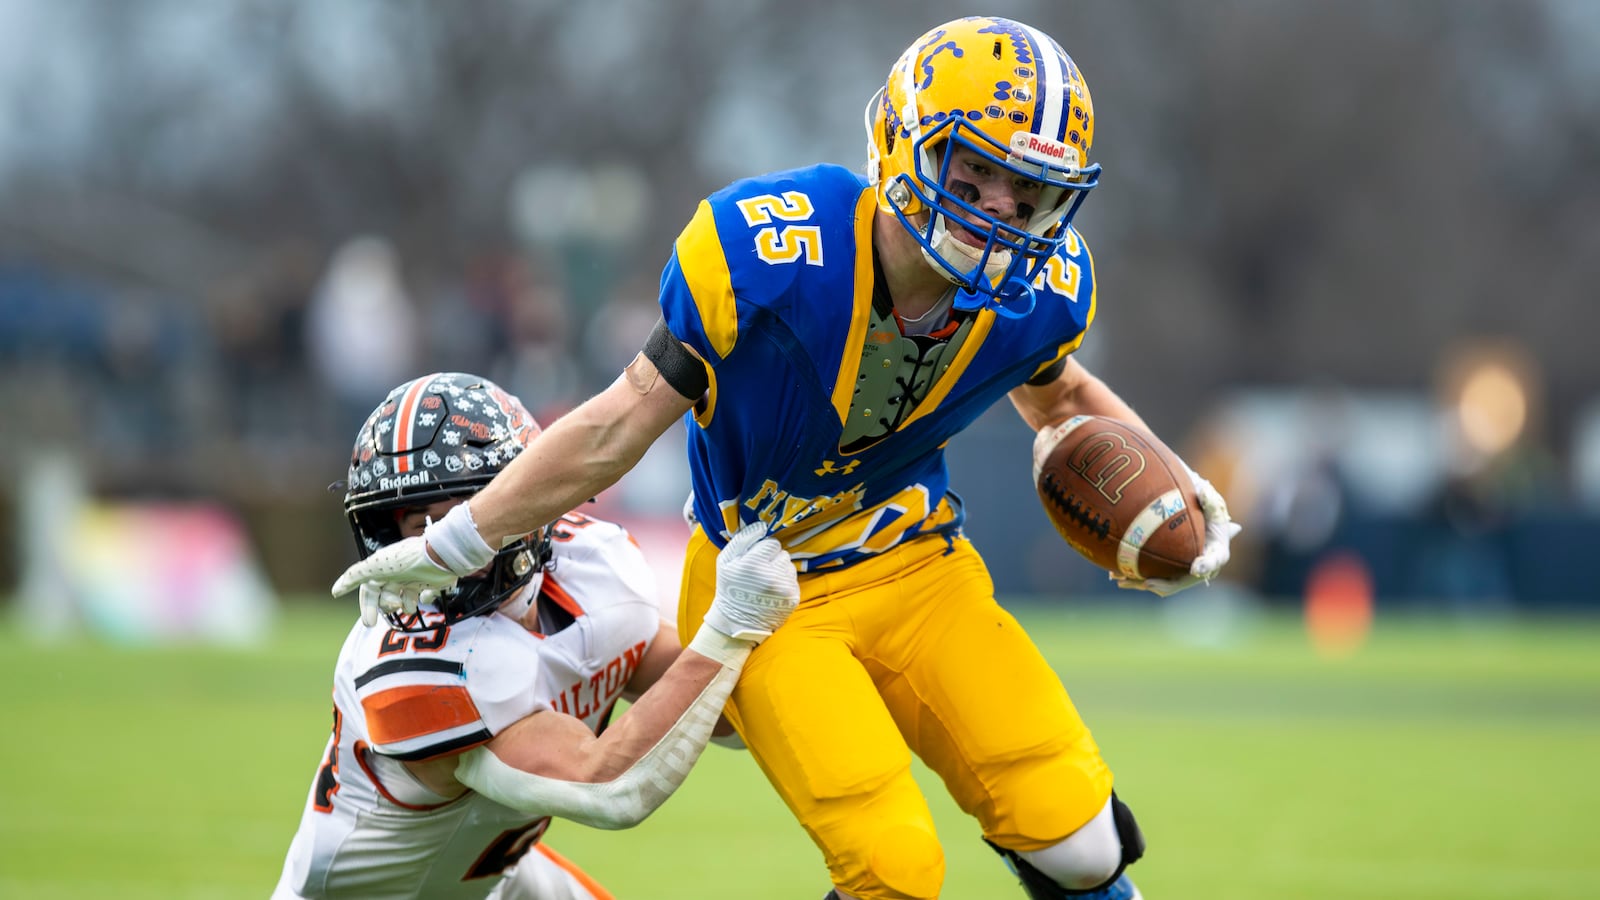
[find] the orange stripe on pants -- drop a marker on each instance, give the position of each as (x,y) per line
(571,868)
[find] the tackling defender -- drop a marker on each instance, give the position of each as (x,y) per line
(826,334)
(461,727)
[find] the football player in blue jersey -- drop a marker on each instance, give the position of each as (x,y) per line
(826,334)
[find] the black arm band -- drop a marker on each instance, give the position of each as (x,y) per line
(682,369)
(1050,374)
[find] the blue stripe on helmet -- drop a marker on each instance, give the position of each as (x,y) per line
(1066,90)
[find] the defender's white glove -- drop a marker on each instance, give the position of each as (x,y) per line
(756,586)
(1220,529)
(398,577)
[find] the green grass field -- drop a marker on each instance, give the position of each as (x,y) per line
(1444,760)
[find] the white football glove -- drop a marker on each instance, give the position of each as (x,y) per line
(756,586)
(1220,529)
(401,575)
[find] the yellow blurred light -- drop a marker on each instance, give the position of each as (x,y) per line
(1492,409)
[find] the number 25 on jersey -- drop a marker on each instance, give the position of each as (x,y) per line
(787,243)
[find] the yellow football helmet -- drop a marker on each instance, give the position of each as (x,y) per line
(1008,92)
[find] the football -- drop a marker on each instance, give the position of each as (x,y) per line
(1119,496)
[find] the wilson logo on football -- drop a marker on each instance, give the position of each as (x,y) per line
(1114,463)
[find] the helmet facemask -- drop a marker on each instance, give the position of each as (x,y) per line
(519,567)
(999,273)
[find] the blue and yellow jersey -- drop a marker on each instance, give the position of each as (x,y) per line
(771,283)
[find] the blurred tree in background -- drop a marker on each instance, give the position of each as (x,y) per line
(1294,194)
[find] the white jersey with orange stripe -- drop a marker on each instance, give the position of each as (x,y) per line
(371,830)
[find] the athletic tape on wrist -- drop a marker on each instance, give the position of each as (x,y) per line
(729,652)
(456,541)
(622,802)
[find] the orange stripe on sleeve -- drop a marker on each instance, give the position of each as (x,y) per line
(559,594)
(402,713)
(361,757)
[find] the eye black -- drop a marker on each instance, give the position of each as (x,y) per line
(965,191)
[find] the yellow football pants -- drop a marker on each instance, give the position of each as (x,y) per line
(906,652)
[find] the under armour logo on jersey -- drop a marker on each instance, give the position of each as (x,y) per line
(828,468)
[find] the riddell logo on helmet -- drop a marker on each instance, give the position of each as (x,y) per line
(1031,146)
(400,481)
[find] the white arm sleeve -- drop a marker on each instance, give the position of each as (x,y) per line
(626,800)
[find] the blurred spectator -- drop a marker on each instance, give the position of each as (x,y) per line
(539,366)
(362,328)
(1586,458)
(619,328)
(138,348)
(470,312)
(1499,472)
(259,319)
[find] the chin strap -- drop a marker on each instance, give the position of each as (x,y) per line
(1021,303)
(519,606)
